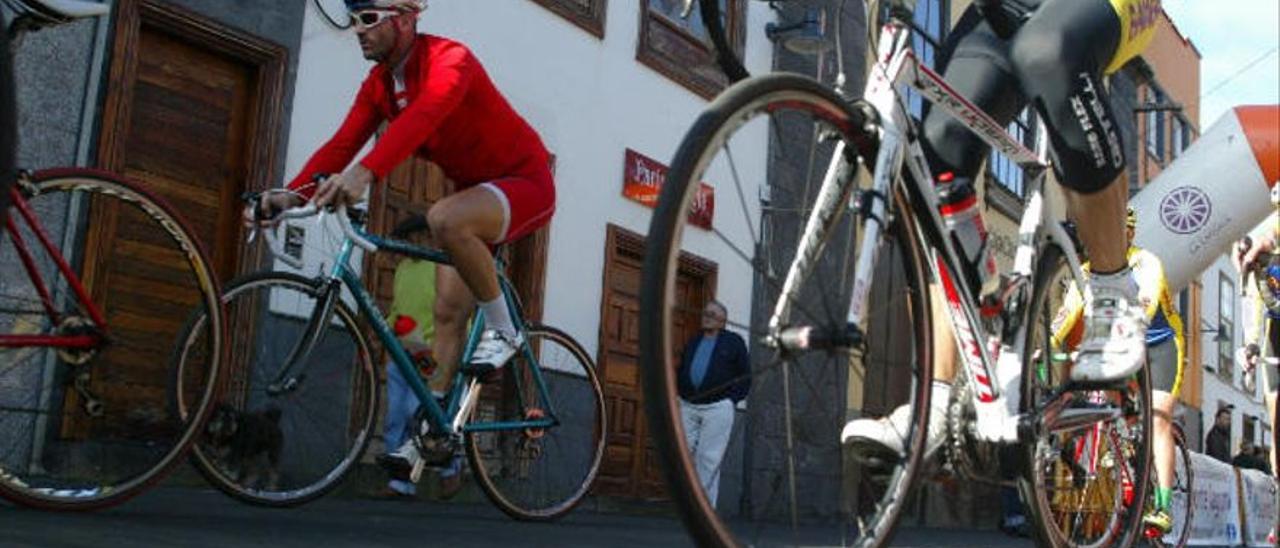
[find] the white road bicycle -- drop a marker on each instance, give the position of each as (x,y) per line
(840,264)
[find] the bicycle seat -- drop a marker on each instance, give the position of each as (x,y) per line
(67,10)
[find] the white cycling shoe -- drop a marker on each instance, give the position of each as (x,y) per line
(1115,331)
(494,350)
(405,463)
(884,439)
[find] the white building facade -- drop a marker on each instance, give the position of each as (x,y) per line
(1225,381)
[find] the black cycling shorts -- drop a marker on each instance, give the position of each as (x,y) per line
(1054,63)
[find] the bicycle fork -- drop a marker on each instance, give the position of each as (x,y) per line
(321,315)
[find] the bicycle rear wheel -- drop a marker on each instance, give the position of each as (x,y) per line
(800,399)
(89,427)
(1180,507)
(1084,487)
(288,448)
(541,474)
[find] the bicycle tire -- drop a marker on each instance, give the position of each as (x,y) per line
(1184,487)
(724,51)
(1051,274)
(8,122)
(76,461)
(500,459)
(731,110)
(328,457)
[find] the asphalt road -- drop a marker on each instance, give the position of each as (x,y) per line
(204,518)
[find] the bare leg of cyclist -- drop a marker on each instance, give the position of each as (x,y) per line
(1162,445)
(454,304)
(1100,223)
(461,224)
(465,224)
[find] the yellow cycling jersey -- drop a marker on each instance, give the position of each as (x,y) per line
(1137,27)
(1153,291)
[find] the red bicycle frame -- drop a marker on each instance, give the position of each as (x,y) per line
(46,299)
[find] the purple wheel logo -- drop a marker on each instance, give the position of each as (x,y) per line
(1185,210)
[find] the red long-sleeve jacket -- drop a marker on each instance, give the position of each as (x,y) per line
(454,117)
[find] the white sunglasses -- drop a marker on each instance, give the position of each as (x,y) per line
(367,19)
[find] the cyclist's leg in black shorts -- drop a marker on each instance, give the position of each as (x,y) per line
(977,64)
(1055,62)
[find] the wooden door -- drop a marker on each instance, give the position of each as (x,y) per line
(411,189)
(631,465)
(191,114)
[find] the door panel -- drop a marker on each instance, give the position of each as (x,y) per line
(632,467)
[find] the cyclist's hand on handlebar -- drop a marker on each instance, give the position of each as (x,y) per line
(1247,252)
(344,189)
(267,206)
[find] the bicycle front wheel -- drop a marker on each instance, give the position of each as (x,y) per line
(776,226)
(540,474)
(1085,486)
(85,426)
(290,444)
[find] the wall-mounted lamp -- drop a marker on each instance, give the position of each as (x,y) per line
(804,37)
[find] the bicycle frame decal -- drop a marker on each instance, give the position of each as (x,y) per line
(970,350)
(934,88)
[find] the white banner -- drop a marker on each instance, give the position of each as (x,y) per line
(1211,196)
(1216,499)
(1258,494)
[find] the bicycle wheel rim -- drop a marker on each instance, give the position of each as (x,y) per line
(567,455)
(138,436)
(312,455)
(770,98)
(1076,508)
(1184,482)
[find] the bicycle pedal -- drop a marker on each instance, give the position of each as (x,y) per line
(486,374)
(416,473)
(397,468)
(873,455)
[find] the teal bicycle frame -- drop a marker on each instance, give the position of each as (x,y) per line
(465,389)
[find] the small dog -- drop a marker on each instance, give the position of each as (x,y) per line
(247,445)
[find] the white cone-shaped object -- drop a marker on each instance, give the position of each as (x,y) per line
(1213,195)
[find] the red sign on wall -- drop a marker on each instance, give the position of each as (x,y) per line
(642,181)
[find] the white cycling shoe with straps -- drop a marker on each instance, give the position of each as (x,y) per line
(1114,346)
(494,350)
(886,437)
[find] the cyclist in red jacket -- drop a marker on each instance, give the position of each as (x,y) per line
(438,102)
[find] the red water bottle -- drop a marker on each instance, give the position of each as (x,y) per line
(959,206)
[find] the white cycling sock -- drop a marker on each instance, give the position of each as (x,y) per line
(497,317)
(1122,280)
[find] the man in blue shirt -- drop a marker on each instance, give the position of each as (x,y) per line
(715,374)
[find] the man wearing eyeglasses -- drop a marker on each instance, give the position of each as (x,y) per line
(714,375)
(438,102)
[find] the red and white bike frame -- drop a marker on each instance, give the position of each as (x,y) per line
(992,364)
